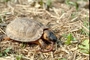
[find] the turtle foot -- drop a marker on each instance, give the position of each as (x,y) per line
(48,48)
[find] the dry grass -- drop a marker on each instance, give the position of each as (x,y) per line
(62,19)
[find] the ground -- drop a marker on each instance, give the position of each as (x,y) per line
(68,22)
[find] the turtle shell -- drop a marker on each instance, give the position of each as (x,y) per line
(25,29)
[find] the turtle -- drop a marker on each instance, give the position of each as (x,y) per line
(24,29)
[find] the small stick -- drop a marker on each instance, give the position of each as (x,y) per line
(2,31)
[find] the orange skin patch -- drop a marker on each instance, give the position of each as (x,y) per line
(6,38)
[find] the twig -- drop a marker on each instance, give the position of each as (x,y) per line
(56,12)
(84,27)
(2,31)
(52,15)
(74,57)
(1,16)
(52,55)
(74,19)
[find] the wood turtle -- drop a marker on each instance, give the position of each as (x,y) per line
(28,30)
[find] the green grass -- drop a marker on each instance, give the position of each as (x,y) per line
(46,4)
(70,3)
(5,52)
(5,0)
(19,57)
(86,24)
(84,46)
(23,45)
(62,59)
(84,32)
(69,37)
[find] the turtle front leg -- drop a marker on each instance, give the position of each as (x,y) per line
(43,46)
(48,49)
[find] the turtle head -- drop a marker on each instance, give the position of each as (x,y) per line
(49,36)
